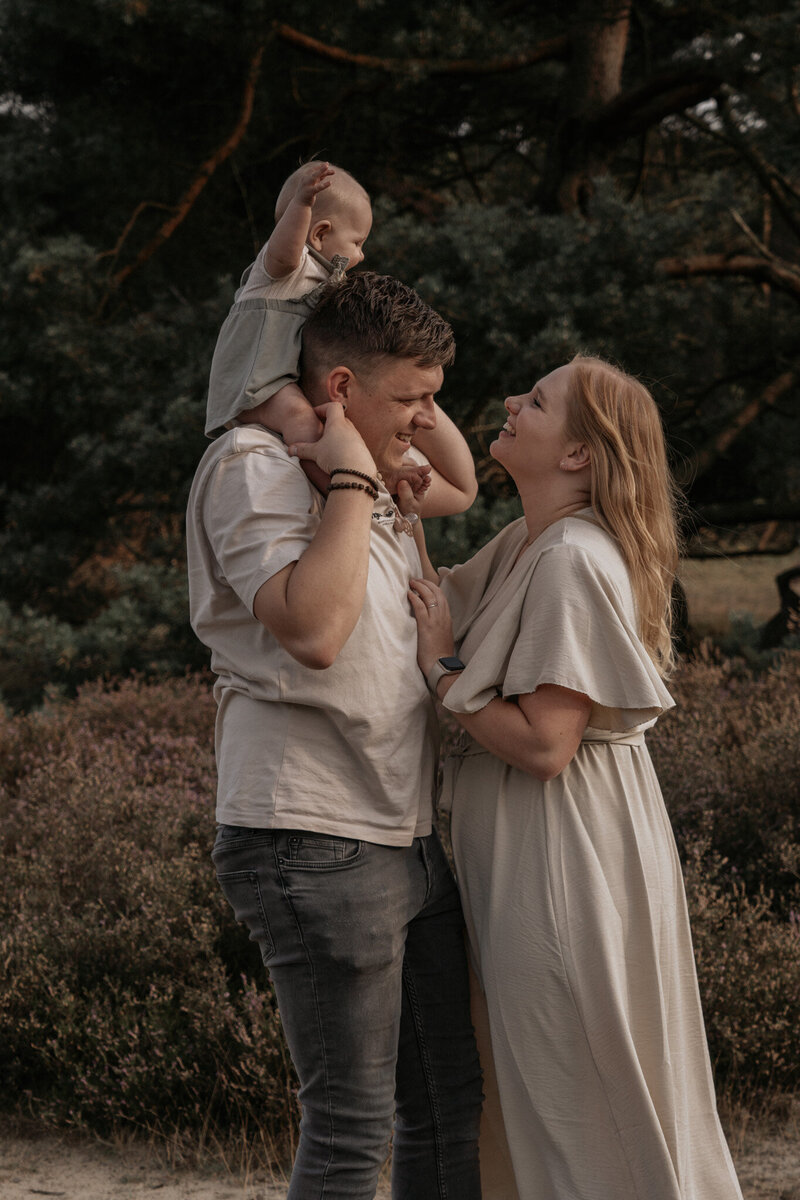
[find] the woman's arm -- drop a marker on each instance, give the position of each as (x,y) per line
(538,732)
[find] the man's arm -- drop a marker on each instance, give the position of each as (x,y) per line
(312,605)
(285,246)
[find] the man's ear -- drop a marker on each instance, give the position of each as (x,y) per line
(317,232)
(338,385)
(577,457)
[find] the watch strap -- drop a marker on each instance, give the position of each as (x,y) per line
(440,669)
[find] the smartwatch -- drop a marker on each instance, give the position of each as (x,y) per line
(449,665)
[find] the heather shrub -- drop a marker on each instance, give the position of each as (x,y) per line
(728,758)
(748,967)
(127,993)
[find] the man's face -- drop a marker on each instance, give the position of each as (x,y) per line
(389,403)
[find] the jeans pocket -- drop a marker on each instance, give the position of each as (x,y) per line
(242,890)
(234,843)
(318,851)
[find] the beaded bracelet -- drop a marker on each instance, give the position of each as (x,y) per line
(360,474)
(355,487)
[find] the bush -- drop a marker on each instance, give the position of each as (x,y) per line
(748,967)
(128,995)
(728,757)
(141,625)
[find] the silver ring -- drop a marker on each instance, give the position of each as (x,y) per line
(433,604)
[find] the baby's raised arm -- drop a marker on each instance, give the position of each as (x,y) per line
(285,246)
(453,486)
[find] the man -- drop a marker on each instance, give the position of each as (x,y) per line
(326,752)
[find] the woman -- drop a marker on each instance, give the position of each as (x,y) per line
(570,879)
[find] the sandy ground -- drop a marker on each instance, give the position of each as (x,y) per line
(717,587)
(74,1168)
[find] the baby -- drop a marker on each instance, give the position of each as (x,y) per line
(323,217)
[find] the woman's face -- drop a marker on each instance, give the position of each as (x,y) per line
(533,439)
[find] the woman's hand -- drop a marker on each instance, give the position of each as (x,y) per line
(434,623)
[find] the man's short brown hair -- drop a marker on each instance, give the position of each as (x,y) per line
(369,317)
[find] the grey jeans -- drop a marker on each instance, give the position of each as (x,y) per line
(364,945)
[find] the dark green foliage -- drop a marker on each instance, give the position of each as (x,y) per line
(541,218)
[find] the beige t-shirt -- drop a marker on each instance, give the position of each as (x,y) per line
(350,750)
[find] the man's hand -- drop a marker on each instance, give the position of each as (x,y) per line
(341,445)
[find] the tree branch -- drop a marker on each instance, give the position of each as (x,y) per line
(753,238)
(662,95)
(557,47)
(143,205)
(773,182)
(714,449)
(184,205)
(782,275)
(747,512)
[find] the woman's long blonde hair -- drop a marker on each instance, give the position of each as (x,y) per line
(633,494)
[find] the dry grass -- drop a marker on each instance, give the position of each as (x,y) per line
(717,587)
(764,1139)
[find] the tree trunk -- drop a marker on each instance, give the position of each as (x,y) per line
(592,81)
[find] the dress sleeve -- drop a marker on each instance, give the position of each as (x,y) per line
(577,630)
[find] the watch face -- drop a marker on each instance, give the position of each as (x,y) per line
(451,663)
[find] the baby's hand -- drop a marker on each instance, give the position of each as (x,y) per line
(418,479)
(312,179)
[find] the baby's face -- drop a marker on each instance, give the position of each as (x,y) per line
(349,229)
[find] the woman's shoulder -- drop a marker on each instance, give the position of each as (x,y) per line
(579,558)
(582,535)
(491,552)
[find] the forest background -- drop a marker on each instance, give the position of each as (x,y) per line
(622,178)
(619,178)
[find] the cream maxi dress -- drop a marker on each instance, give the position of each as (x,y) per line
(573,894)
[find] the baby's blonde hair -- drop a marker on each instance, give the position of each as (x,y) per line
(633,494)
(343,188)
